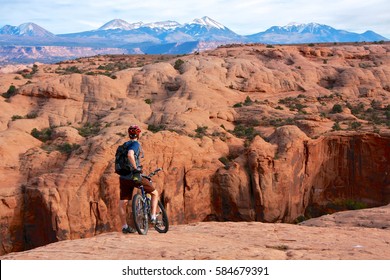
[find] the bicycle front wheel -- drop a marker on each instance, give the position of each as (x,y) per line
(162,223)
(139,215)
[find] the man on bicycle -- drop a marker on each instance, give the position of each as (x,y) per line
(134,179)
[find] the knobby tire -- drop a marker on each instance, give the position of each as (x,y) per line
(140,217)
(162,224)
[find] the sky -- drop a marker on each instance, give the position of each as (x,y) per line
(244,17)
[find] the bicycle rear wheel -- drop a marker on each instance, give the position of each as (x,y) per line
(139,215)
(162,223)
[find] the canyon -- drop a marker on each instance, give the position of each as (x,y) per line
(256,134)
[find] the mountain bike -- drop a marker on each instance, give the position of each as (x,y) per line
(142,210)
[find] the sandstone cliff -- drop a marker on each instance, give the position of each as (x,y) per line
(244,133)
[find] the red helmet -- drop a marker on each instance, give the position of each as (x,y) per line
(134,131)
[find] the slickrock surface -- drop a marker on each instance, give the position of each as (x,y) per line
(235,240)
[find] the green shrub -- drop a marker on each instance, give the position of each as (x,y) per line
(376,104)
(156,128)
(148,101)
(67,148)
(355,205)
(242,131)
(346,204)
(16,117)
(178,64)
(10,92)
(355,125)
(201,131)
(336,126)
(32,115)
(248,101)
(281,122)
(356,110)
(337,108)
(42,135)
(89,129)
(72,69)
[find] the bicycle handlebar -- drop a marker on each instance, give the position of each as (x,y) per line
(154,172)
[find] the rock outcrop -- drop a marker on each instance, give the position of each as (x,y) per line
(293,176)
(246,133)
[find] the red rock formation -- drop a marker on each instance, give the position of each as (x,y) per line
(208,113)
(293,174)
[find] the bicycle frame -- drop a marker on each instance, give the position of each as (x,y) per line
(147,201)
(142,210)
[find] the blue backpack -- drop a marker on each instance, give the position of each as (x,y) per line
(122,164)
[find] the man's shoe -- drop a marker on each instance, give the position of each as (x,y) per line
(128,230)
(153,221)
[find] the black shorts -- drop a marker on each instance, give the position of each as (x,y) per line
(127,186)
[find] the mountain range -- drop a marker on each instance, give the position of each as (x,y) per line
(172,37)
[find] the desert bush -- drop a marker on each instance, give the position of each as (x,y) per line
(10,92)
(355,125)
(376,104)
(156,128)
(293,103)
(42,135)
(178,64)
(346,204)
(336,126)
(248,101)
(337,108)
(356,110)
(89,129)
(242,131)
(67,148)
(16,117)
(32,115)
(281,122)
(201,131)
(72,69)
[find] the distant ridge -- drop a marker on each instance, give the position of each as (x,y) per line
(203,29)
(26,29)
(171,37)
(311,33)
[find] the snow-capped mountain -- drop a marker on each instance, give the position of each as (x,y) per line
(26,29)
(203,29)
(310,33)
(207,29)
(174,38)
(120,24)
(208,23)
(164,25)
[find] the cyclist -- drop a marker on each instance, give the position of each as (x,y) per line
(134,179)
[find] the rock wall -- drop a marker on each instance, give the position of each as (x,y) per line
(300,175)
